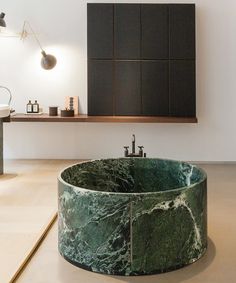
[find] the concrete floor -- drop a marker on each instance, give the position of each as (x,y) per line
(218,265)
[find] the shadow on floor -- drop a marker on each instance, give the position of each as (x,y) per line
(6,177)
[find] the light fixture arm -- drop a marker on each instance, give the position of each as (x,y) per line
(48,61)
(25,33)
(7,89)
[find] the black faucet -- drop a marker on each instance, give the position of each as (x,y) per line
(133,144)
(133,154)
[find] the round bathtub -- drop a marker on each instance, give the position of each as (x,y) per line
(132,216)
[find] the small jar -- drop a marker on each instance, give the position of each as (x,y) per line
(53,110)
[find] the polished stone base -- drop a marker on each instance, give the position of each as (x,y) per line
(132,216)
(88,268)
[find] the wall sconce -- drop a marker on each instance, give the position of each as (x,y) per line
(48,61)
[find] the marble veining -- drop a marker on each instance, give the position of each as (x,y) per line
(132,216)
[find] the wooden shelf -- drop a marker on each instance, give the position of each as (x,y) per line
(101,119)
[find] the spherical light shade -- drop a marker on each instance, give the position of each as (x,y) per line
(2,21)
(48,61)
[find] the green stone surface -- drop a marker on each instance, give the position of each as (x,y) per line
(132,216)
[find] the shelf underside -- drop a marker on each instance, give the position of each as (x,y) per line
(102,119)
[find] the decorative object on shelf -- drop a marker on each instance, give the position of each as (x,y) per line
(33,108)
(29,107)
(36,107)
(72,103)
(53,110)
(67,113)
(48,61)
(2,21)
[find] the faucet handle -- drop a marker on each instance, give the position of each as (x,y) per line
(140,150)
(126,151)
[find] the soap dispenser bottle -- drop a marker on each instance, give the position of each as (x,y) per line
(35,107)
(29,107)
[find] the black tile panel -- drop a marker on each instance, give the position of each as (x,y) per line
(100,31)
(155,31)
(182,88)
(127,31)
(100,87)
(155,88)
(127,88)
(145,59)
(182,31)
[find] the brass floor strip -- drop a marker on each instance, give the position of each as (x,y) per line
(34,249)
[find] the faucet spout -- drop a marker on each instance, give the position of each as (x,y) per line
(133,144)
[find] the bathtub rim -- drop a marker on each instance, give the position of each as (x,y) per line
(184,188)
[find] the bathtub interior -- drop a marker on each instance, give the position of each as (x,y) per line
(132,175)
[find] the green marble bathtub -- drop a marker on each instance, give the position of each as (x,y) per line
(132,216)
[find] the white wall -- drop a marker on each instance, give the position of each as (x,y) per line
(61,26)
